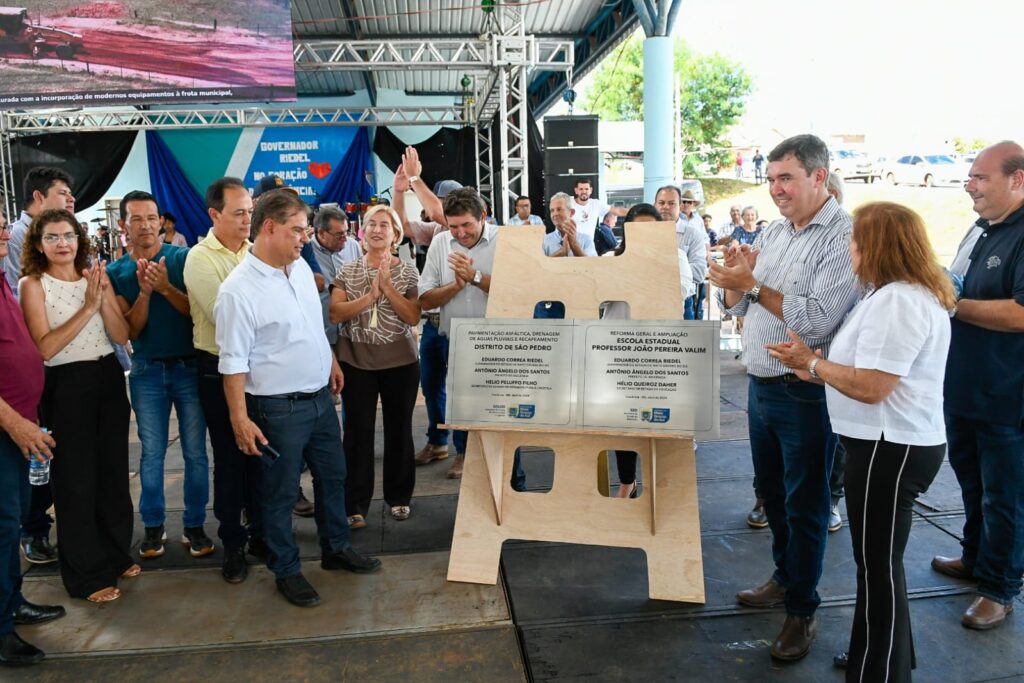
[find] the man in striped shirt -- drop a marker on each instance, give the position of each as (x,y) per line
(798,277)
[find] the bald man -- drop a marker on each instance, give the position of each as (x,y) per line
(984,389)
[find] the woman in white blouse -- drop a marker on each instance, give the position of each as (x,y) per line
(72,315)
(883,385)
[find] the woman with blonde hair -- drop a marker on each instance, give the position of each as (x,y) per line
(378,297)
(883,386)
(72,315)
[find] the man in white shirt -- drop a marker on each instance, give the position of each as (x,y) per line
(279,373)
(587,210)
(735,221)
(680,207)
(522,216)
(457,277)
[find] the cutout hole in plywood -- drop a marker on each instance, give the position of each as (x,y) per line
(615,310)
(549,309)
(620,465)
(536,470)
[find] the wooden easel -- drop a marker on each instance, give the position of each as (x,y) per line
(664,521)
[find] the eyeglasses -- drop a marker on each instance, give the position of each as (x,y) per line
(336,235)
(299,232)
(67,238)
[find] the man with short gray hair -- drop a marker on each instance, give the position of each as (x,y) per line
(332,247)
(798,276)
(836,187)
(565,240)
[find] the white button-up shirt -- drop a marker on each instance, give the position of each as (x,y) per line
(270,327)
(471,302)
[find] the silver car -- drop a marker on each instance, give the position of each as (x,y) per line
(928,170)
(848,163)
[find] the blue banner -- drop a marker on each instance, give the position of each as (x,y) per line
(303,157)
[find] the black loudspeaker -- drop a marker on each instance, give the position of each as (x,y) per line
(570,153)
(570,131)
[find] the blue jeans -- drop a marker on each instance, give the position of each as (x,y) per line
(155,386)
(789,430)
(688,308)
(702,293)
(14,497)
(433,374)
(305,430)
(988,460)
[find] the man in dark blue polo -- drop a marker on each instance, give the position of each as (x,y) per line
(984,391)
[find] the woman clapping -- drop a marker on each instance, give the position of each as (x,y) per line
(73,316)
(377,296)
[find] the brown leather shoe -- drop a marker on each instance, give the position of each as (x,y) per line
(985,613)
(455,471)
(795,638)
(429,453)
(770,594)
(951,566)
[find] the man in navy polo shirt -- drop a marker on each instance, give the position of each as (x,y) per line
(984,390)
(150,287)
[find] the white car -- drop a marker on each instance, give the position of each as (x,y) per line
(928,170)
(848,163)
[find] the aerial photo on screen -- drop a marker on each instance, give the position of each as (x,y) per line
(57,53)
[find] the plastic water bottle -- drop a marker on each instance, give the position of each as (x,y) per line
(39,472)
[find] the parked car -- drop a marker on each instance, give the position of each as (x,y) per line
(928,170)
(851,164)
(626,196)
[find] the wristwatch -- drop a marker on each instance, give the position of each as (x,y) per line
(413,178)
(812,368)
(478,277)
(754,294)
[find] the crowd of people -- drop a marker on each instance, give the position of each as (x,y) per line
(862,354)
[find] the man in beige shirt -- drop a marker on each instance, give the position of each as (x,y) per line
(235,475)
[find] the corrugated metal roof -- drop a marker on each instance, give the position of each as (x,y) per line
(422,19)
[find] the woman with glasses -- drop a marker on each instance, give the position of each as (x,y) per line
(72,315)
(377,296)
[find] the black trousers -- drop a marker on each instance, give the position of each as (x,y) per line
(37,521)
(85,405)
(882,481)
(397,388)
(236,476)
(625,463)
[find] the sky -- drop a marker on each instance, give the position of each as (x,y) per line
(906,72)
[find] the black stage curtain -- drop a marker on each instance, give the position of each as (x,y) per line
(449,154)
(446,155)
(92,159)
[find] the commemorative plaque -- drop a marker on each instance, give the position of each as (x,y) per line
(658,377)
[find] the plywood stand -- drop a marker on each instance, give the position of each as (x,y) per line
(664,522)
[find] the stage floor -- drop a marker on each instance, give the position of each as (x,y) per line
(559,612)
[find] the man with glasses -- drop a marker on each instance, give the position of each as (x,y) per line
(680,208)
(333,248)
(281,412)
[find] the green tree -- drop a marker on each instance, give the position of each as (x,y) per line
(712,98)
(965,145)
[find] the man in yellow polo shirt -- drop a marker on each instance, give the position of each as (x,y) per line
(235,475)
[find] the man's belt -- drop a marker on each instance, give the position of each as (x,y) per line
(789,378)
(294,396)
(433,318)
(170,360)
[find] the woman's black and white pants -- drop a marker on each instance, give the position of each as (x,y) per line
(882,481)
